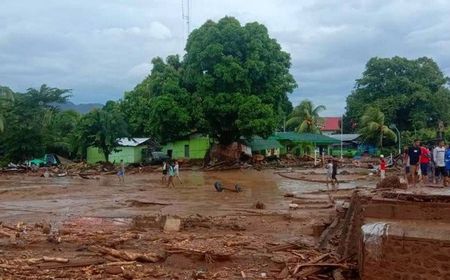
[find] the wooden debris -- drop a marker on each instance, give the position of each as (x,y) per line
(137,203)
(119,263)
(129,256)
(55,259)
(337,274)
(313,261)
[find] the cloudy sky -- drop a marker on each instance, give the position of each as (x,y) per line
(101,48)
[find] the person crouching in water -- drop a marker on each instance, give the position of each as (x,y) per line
(329,169)
(382,167)
(171,172)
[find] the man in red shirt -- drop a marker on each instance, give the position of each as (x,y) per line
(382,167)
(425,158)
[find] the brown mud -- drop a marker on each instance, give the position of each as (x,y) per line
(75,228)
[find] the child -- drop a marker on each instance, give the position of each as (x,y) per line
(382,167)
(329,168)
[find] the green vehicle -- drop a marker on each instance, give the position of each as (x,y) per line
(47,160)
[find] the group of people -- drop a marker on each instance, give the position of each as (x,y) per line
(427,164)
(170,169)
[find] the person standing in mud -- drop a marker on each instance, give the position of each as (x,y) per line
(414,153)
(177,171)
(439,163)
(171,173)
(121,173)
(334,180)
(382,167)
(164,172)
(329,169)
(424,163)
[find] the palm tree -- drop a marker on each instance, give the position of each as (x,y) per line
(373,128)
(6,96)
(305,117)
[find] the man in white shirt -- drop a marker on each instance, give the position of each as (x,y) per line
(439,162)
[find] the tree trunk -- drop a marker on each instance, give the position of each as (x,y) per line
(106,153)
(381,140)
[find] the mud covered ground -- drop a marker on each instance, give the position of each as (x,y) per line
(74,228)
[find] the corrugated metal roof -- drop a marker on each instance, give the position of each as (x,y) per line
(331,124)
(132,142)
(304,137)
(259,144)
(345,137)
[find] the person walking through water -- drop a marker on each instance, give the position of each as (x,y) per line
(414,153)
(439,163)
(334,180)
(177,171)
(171,172)
(164,172)
(121,173)
(329,169)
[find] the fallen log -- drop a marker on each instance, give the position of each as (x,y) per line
(55,259)
(119,263)
(128,256)
(72,263)
(134,202)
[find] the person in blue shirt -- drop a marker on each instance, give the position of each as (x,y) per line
(447,165)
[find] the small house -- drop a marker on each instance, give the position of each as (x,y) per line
(331,125)
(130,150)
(192,147)
(294,142)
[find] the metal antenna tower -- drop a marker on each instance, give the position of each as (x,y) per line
(185,16)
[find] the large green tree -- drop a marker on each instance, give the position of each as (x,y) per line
(102,128)
(233,81)
(305,117)
(6,98)
(61,132)
(412,94)
(28,120)
(374,129)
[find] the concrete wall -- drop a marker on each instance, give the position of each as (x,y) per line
(405,258)
(398,239)
(128,154)
(197,148)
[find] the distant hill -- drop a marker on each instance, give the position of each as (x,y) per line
(80,108)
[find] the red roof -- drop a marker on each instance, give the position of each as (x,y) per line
(331,124)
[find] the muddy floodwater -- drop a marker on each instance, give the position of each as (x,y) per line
(53,227)
(27,198)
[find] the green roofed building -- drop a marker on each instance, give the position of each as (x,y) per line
(294,142)
(266,147)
